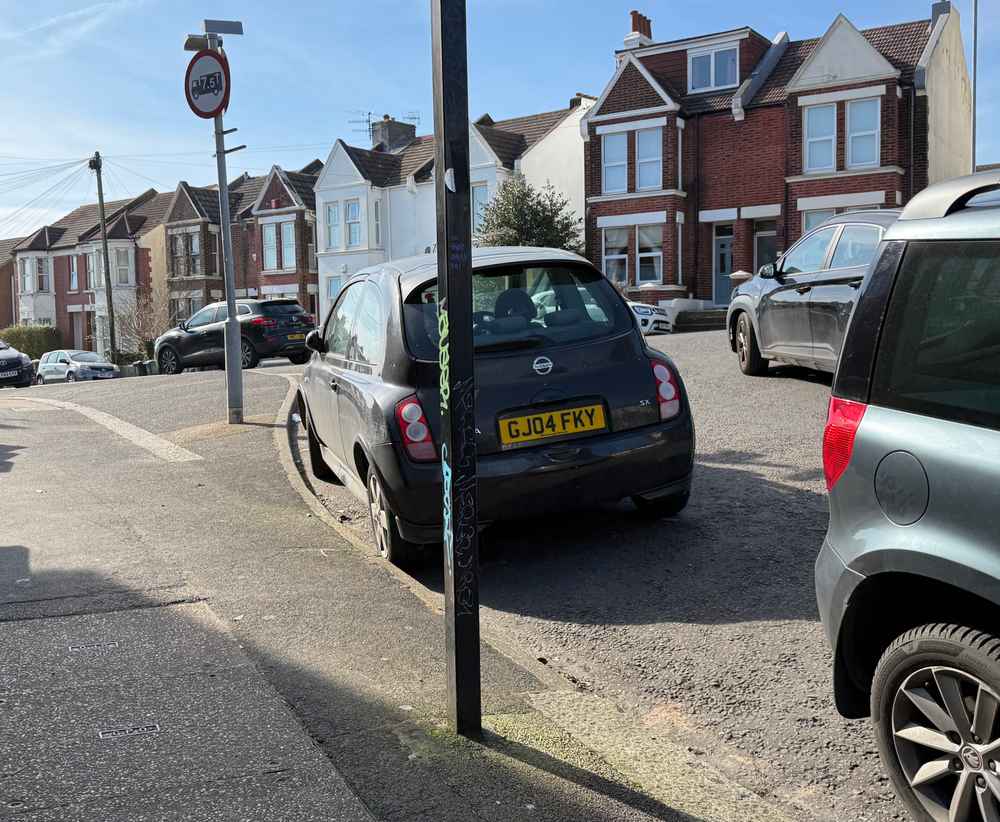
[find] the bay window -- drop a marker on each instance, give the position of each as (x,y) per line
(649,158)
(92,269)
(194,254)
(25,276)
(352,216)
(650,254)
(42,273)
(863,133)
(616,254)
(176,258)
(614,158)
(820,130)
(270,246)
(377,219)
(74,278)
(713,68)
(333,225)
(122,267)
(288,245)
(480,192)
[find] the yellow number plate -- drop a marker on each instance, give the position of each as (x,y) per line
(515,430)
(296,336)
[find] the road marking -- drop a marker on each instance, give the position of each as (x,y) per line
(156,445)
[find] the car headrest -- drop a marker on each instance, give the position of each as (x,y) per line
(515,302)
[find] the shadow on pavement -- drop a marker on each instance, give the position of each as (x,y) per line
(742,550)
(401,763)
(797,372)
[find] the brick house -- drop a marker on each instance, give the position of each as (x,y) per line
(59,269)
(273,230)
(713,154)
(8,284)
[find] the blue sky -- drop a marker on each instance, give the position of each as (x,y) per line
(82,76)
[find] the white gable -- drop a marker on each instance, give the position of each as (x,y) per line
(842,56)
(480,153)
(339,170)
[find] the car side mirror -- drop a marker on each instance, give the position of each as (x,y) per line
(183,325)
(315,341)
(768,272)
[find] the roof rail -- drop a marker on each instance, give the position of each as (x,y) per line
(942,199)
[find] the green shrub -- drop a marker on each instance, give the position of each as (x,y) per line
(33,340)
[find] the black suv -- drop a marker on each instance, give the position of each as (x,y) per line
(269,328)
(15,367)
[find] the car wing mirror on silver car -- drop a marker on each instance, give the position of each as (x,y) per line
(768,272)
(315,341)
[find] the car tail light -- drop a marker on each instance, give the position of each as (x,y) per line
(308,319)
(415,431)
(668,393)
(842,422)
(264,322)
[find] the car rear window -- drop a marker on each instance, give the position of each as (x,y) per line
(281,308)
(940,349)
(523,306)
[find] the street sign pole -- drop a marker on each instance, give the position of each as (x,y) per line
(233,337)
(457,385)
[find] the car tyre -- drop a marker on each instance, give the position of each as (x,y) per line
(751,362)
(662,506)
(935,699)
(168,361)
(248,355)
(319,467)
(388,540)
(70,376)
(39,379)
(299,359)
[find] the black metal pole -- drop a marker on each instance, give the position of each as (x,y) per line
(457,388)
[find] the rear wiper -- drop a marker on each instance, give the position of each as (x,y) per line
(517,342)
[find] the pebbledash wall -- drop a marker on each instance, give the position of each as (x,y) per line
(731,159)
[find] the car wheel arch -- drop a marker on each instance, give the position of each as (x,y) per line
(741,305)
(887,604)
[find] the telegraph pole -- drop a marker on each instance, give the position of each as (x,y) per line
(975,75)
(95,164)
(460,530)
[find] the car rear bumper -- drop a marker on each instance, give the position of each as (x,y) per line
(21,380)
(653,461)
(280,346)
(835,583)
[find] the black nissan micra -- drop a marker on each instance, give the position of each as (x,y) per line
(572,408)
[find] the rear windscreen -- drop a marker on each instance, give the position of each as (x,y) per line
(940,349)
(282,309)
(523,307)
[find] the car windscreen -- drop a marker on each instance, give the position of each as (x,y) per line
(523,306)
(281,309)
(86,356)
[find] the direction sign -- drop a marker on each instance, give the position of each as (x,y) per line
(206,83)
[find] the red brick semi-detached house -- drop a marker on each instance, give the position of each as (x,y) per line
(712,154)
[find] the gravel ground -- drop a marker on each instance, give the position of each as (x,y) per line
(710,617)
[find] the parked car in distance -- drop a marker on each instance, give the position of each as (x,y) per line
(269,328)
(572,407)
(651,318)
(908,578)
(796,310)
(16,369)
(69,365)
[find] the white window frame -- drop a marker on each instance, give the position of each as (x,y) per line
(334,241)
(830,212)
(680,253)
(680,159)
(639,256)
(348,222)
(806,169)
(377,220)
(477,217)
(92,270)
(284,260)
(756,234)
(605,165)
(710,53)
(877,133)
(272,229)
(640,162)
(74,275)
(25,276)
(42,270)
(127,267)
(605,257)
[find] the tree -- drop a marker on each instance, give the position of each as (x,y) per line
(520,214)
(140,320)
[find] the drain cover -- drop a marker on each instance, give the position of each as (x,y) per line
(95,646)
(134,730)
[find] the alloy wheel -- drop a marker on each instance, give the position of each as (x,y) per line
(741,344)
(168,362)
(379,514)
(246,355)
(944,732)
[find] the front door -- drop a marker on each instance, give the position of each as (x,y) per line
(77,321)
(723,263)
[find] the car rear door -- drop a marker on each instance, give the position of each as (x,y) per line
(365,355)
(783,312)
(195,340)
(835,290)
(60,365)
(324,376)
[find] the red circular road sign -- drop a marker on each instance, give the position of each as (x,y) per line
(206,83)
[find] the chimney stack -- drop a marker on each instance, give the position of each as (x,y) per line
(389,134)
(642,31)
(939,9)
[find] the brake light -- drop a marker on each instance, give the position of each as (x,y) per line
(842,422)
(264,322)
(308,319)
(668,393)
(415,431)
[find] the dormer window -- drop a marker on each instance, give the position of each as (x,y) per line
(714,68)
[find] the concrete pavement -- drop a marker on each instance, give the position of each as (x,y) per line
(229,598)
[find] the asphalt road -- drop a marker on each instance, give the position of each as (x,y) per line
(709,618)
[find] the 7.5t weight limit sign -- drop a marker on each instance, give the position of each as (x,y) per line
(206,83)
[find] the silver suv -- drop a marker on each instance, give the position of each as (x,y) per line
(908,579)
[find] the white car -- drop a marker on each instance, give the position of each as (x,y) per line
(652,319)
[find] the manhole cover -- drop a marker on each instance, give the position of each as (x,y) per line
(134,730)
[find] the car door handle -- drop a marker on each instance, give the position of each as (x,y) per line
(334,385)
(802,289)
(855,283)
